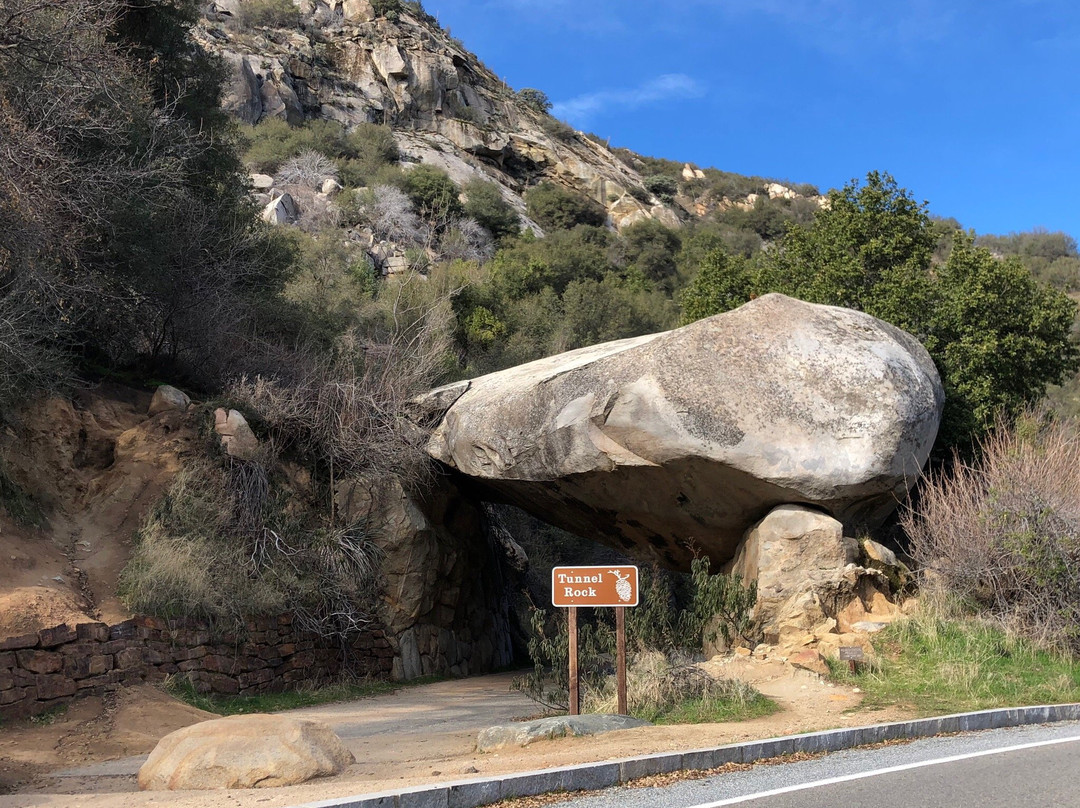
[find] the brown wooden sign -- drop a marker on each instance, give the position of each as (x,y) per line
(594,586)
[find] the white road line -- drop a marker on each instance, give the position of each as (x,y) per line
(848,777)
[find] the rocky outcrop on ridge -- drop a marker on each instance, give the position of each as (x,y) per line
(347,64)
(661,444)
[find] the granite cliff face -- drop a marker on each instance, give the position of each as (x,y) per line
(446,108)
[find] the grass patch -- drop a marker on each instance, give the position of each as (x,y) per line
(713,710)
(937,666)
(346,689)
(50,716)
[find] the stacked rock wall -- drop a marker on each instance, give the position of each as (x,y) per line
(43,670)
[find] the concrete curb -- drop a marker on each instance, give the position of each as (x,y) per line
(593,776)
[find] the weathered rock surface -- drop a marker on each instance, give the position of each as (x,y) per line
(244,751)
(687,438)
(353,66)
(444,597)
(237,439)
(545,729)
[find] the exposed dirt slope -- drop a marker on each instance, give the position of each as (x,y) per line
(94,465)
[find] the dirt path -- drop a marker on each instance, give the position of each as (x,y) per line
(417,735)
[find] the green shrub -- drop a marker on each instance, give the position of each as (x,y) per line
(269,14)
(560,130)
(485,203)
(434,194)
(359,153)
(721,284)
(768,218)
(387,8)
(732,186)
(651,249)
(221,545)
(661,185)
(534,99)
(334,279)
(526,267)
(554,207)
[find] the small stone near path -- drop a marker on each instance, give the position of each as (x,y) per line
(544,729)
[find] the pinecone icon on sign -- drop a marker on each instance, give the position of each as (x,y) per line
(622,586)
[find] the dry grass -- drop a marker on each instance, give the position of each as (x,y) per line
(670,689)
(219,546)
(1001,536)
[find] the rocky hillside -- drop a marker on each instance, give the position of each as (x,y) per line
(342,61)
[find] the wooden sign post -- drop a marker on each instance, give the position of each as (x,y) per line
(572,587)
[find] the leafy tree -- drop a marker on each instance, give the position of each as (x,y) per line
(997,336)
(869,246)
(527,267)
(661,185)
(651,249)
(386,8)
(554,207)
(722,283)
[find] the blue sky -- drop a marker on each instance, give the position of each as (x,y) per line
(974,105)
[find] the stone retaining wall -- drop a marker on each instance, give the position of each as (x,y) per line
(40,671)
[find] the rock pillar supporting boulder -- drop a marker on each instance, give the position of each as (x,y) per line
(812,588)
(798,557)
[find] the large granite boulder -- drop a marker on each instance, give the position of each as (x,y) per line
(244,751)
(663,443)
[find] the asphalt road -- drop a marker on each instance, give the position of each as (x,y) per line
(1029,766)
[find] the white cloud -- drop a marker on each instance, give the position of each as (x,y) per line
(670,86)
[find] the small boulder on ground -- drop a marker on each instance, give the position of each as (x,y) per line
(167,398)
(244,751)
(544,729)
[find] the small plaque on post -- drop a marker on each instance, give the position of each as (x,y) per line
(851,653)
(594,586)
